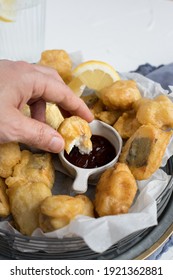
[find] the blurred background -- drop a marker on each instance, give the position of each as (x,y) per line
(120,32)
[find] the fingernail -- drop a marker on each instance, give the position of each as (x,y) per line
(56,144)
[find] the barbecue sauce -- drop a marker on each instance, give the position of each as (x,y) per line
(102,153)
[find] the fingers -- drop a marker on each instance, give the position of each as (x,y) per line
(52,90)
(38,110)
(23,83)
(39,82)
(62,94)
(48,71)
(34,133)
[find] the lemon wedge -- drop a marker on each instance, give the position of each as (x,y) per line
(5,19)
(7,10)
(94,75)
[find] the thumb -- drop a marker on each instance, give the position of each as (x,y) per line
(37,134)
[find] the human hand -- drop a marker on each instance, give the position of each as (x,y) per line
(22,83)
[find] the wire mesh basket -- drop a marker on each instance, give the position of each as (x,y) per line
(75,247)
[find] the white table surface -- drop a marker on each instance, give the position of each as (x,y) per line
(124,33)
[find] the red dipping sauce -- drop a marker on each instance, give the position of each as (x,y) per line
(102,153)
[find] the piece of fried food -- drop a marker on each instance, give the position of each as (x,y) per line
(99,110)
(90,100)
(94,103)
(4,202)
(57,211)
(144,150)
(120,95)
(109,117)
(10,155)
(53,115)
(60,61)
(115,191)
(33,168)
(127,124)
(25,200)
(157,111)
(76,132)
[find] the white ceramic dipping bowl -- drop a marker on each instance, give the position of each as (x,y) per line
(82,176)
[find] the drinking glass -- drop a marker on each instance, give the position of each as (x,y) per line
(22,28)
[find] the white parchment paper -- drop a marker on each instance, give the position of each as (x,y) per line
(101,233)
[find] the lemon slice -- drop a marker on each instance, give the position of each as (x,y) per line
(7,10)
(94,75)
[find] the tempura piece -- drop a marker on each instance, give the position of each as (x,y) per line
(157,111)
(120,95)
(109,117)
(4,202)
(127,124)
(99,110)
(76,132)
(144,150)
(90,100)
(53,114)
(25,200)
(33,168)
(10,155)
(115,191)
(57,211)
(94,103)
(60,61)
(26,111)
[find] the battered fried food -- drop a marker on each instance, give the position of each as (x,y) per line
(115,191)
(76,132)
(4,202)
(94,103)
(26,111)
(57,211)
(10,155)
(127,124)
(53,114)
(157,111)
(144,150)
(90,100)
(120,95)
(109,117)
(33,168)
(25,200)
(60,61)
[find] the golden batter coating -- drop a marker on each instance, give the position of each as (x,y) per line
(109,117)
(115,191)
(4,202)
(127,124)
(144,150)
(90,100)
(10,155)
(94,103)
(157,111)
(76,132)
(60,61)
(26,111)
(33,168)
(53,115)
(57,211)
(120,95)
(25,201)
